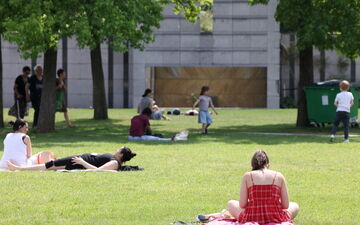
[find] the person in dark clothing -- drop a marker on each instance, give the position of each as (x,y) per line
(20,92)
(35,85)
(86,161)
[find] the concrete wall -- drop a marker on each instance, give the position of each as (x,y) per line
(243,36)
(332,68)
(79,73)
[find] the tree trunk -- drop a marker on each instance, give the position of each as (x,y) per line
(99,97)
(46,122)
(322,65)
(353,71)
(306,78)
(1,89)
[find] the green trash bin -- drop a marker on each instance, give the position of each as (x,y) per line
(320,103)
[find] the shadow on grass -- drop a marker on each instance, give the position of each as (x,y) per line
(115,131)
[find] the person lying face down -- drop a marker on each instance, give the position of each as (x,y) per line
(86,161)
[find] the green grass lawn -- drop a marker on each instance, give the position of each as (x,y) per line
(182,179)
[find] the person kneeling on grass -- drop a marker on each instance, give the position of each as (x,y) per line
(263,196)
(18,148)
(86,161)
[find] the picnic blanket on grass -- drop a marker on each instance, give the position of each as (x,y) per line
(122,168)
(234,222)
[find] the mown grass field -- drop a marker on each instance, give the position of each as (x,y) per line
(182,179)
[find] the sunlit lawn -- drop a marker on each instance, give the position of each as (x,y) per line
(182,179)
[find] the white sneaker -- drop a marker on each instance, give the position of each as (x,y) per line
(346,140)
(332,137)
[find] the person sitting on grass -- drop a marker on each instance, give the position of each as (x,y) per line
(86,161)
(157,113)
(18,148)
(140,128)
(263,196)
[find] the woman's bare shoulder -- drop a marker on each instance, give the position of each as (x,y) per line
(279,176)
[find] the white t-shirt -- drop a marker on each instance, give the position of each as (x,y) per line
(14,150)
(344,100)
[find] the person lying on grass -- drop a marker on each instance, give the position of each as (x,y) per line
(18,148)
(263,196)
(86,161)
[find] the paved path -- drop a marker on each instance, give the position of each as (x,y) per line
(297,134)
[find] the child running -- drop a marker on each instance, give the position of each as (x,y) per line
(343,102)
(204,101)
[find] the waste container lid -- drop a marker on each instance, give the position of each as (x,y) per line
(328,83)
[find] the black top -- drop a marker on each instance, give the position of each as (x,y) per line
(96,159)
(35,87)
(20,85)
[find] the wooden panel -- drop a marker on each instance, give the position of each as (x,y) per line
(229,86)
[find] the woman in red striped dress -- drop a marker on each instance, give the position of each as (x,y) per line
(263,195)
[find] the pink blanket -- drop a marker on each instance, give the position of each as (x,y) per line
(234,222)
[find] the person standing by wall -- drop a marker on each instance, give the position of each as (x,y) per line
(60,103)
(20,93)
(35,86)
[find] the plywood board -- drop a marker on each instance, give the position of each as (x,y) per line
(229,86)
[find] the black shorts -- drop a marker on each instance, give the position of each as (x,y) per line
(64,162)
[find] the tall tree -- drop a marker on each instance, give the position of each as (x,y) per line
(127,22)
(37,28)
(323,24)
(4,11)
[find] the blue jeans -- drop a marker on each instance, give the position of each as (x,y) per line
(147,138)
(344,117)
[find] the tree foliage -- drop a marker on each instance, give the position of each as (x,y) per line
(190,9)
(127,22)
(36,27)
(121,24)
(325,24)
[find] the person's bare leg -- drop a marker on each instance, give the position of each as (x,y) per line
(203,128)
(13,167)
(293,209)
(206,128)
(66,116)
(165,117)
(46,157)
(234,208)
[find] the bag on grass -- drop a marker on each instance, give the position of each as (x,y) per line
(15,110)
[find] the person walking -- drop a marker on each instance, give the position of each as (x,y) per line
(20,92)
(60,103)
(343,102)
